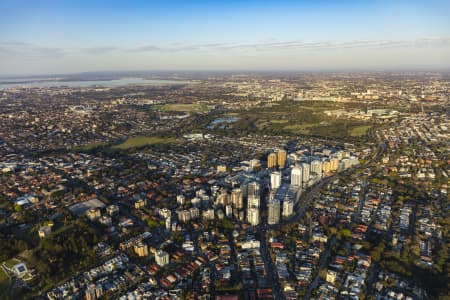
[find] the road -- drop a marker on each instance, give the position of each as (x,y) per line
(323,261)
(305,200)
(271,269)
(302,206)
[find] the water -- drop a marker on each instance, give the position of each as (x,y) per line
(224,120)
(54,82)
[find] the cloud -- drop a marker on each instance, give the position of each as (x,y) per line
(101,50)
(300,45)
(29,50)
(147,48)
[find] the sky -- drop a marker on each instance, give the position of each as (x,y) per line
(61,36)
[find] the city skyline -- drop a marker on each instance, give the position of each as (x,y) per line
(52,37)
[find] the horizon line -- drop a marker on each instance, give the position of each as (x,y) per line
(425,69)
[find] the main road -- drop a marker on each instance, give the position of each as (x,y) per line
(304,203)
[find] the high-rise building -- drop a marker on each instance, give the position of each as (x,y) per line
(237,198)
(184,215)
(181,200)
(161,258)
(275,180)
(255,164)
(306,170)
(271,160)
(326,167)
(253,201)
(281,158)
(253,216)
(168,223)
(141,249)
(273,215)
(222,198)
(296,176)
(253,189)
(195,212)
(288,208)
(316,167)
(165,213)
(334,164)
(228,211)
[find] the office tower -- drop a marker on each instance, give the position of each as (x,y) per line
(273,208)
(296,176)
(306,170)
(281,158)
(253,216)
(288,207)
(237,198)
(275,180)
(272,160)
(161,258)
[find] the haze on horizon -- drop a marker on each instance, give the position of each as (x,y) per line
(40,37)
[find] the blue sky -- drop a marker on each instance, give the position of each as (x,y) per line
(76,36)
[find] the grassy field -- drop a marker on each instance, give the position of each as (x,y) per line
(359,130)
(300,128)
(278,121)
(182,107)
(140,141)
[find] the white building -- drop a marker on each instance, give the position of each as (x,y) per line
(275,180)
(181,200)
(288,208)
(228,211)
(296,176)
(161,258)
(306,168)
(253,216)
